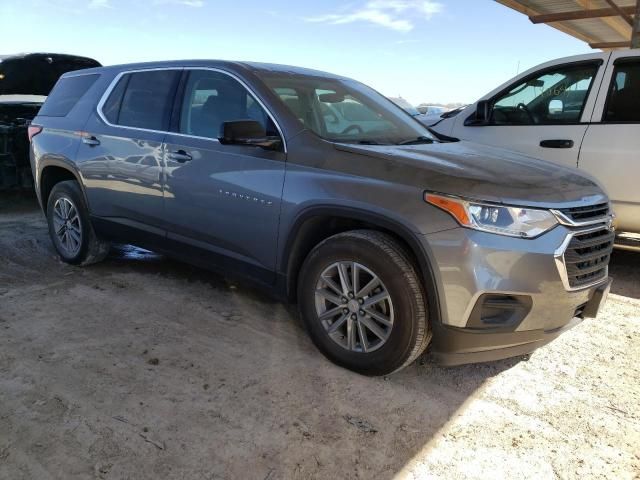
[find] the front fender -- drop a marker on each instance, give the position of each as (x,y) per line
(288,263)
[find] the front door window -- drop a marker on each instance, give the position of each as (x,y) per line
(554,97)
(212,98)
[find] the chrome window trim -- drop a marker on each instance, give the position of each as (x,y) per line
(80,73)
(249,90)
(562,267)
(112,86)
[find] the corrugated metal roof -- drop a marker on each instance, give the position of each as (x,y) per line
(595,31)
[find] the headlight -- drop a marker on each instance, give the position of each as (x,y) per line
(503,220)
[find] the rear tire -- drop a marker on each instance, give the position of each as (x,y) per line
(371,330)
(70,226)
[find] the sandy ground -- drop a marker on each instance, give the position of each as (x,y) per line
(142,367)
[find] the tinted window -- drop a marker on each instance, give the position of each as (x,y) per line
(623,103)
(212,98)
(553,97)
(66,94)
(111,108)
(142,100)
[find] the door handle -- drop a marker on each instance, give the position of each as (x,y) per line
(90,140)
(556,143)
(180,156)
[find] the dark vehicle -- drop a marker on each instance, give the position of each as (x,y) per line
(325,192)
(25,82)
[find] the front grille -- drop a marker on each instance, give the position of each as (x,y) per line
(585,214)
(587,257)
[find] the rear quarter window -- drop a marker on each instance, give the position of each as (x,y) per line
(66,94)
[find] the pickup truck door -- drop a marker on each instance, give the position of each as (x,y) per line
(543,114)
(611,147)
(223,201)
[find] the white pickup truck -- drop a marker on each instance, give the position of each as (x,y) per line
(581,111)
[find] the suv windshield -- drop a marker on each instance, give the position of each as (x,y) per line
(342,110)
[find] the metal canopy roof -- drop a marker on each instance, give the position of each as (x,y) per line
(603,24)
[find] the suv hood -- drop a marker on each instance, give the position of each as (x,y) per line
(37,73)
(482,172)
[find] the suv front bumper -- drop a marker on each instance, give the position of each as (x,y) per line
(501,297)
(458,346)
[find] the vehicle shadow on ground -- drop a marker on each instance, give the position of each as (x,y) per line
(625,270)
(223,378)
(316,419)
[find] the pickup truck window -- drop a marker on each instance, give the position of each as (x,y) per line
(552,97)
(623,101)
(212,98)
(346,111)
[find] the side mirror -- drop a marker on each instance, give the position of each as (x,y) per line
(483,113)
(556,106)
(248,132)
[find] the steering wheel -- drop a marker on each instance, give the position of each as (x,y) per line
(354,127)
(525,109)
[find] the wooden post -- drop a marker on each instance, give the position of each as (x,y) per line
(635,35)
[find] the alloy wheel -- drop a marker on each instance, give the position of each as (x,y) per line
(354,307)
(67,226)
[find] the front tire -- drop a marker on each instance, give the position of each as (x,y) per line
(363,304)
(70,227)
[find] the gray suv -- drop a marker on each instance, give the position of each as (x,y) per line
(323,191)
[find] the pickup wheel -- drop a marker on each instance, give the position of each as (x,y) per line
(363,304)
(70,226)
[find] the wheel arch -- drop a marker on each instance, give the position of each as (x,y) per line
(52,172)
(315,224)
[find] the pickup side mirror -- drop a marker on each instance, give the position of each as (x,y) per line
(482,115)
(556,106)
(249,133)
(483,112)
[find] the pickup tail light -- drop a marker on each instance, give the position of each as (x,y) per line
(33,130)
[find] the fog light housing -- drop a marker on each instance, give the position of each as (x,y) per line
(499,311)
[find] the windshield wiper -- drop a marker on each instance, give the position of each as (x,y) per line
(417,141)
(359,142)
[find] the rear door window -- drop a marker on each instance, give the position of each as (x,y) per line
(66,94)
(142,100)
(623,101)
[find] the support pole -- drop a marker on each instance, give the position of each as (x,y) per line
(635,35)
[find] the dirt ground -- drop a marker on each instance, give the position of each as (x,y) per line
(142,367)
